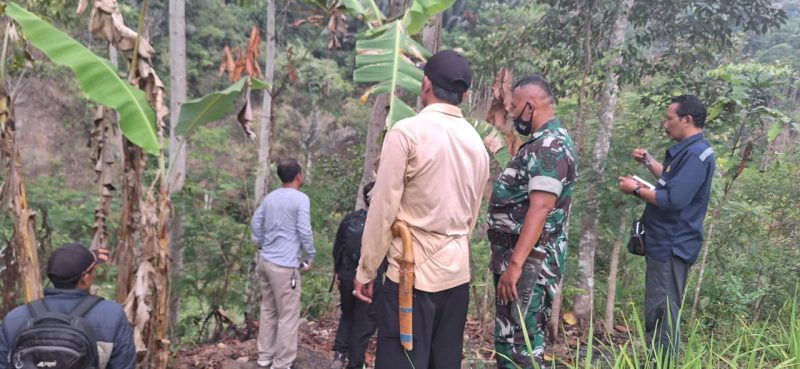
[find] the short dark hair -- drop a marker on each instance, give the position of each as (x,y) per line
(450,97)
(535,80)
(691,105)
(367,189)
(66,285)
(288,169)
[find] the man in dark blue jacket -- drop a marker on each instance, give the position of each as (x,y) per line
(673,219)
(71,268)
(357,321)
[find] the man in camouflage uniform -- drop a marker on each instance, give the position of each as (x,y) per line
(528,215)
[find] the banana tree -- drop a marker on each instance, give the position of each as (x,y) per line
(100,82)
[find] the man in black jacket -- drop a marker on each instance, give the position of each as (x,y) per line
(72,269)
(357,322)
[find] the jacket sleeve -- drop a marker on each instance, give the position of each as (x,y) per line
(123,354)
(257,224)
(483,179)
(385,204)
(337,244)
(304,228)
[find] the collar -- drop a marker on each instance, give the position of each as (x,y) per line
(552,125)
(77,292)
(676,148)
(446,109)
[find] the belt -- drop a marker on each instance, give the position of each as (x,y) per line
(509,241)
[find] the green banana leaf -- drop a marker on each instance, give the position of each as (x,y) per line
(385,56)
(365,8)
(97,78)
(422,10)
(212,107)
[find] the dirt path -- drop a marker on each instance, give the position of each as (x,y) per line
(316,339)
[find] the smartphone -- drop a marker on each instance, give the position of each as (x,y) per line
(644,183)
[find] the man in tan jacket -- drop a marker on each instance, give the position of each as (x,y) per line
(433,172)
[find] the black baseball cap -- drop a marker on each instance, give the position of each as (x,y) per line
(449,70)
(72,261)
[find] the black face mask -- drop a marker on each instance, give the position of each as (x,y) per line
(523,127)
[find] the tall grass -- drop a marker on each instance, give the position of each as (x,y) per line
(771,344)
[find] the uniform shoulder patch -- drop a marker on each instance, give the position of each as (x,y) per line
(548,158)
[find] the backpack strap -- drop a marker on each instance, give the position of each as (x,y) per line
(37,308)
(85,305)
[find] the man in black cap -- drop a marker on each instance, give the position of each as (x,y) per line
(72,270)
(433,172)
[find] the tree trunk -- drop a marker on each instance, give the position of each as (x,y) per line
(612,275)
(584,300)
(130,216)
(432,33)
(431,40)
(372,152)
(177,91)
(707,241)
(24,241)
(555,312)
(377,123)
(588,62)
(262,178)
(177,149)
(103,138)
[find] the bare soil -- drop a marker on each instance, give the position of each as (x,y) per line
(316,340)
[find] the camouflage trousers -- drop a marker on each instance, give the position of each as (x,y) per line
(509,338)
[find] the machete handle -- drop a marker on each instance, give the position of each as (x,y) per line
(400,229)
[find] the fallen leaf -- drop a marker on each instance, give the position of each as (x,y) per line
(570,319)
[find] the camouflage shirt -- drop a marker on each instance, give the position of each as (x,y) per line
(546,162)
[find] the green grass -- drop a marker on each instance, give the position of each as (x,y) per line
(771,344)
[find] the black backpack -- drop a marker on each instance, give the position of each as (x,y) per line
(353,229)
(54,340)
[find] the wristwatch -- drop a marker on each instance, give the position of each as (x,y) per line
(636,192)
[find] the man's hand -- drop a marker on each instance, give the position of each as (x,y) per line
(639,154)
(306,268)
(363,291)
(336,278)
(507,285)
(627,184)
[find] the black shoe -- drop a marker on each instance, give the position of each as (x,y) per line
(338,360)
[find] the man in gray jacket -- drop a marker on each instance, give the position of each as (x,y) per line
(282,228)
(72,269)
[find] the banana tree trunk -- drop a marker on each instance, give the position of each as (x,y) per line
(13,193)
(584,300)
(24,241)
(103,139)
(130,215)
